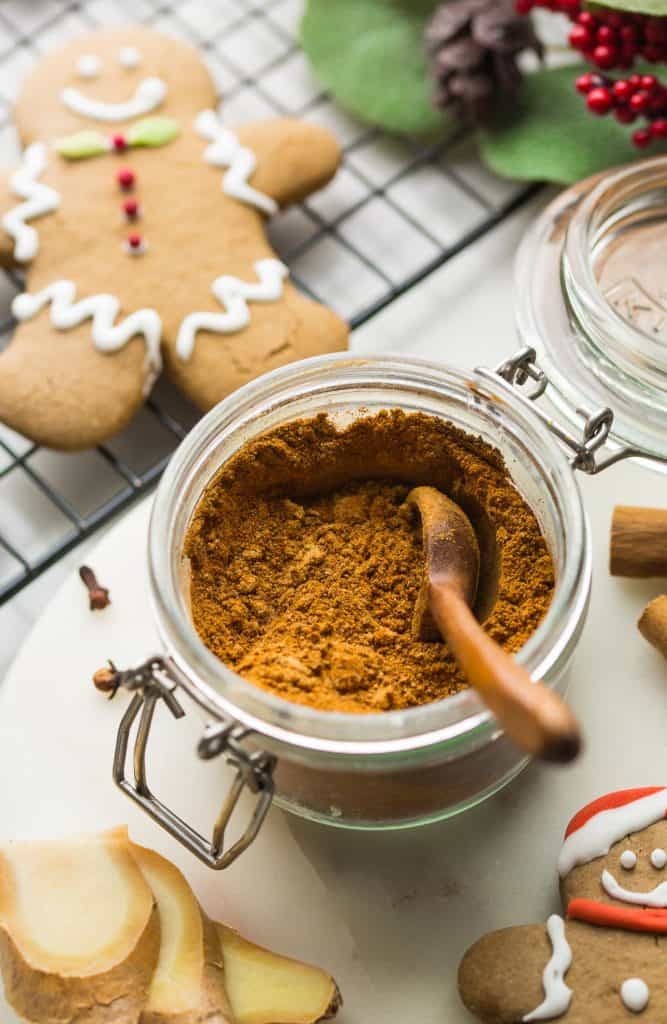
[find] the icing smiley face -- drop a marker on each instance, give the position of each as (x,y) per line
(148,96)
(113,78)
(656,897)
(149,93)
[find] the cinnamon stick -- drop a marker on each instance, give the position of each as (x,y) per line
(638,542)
(653,623)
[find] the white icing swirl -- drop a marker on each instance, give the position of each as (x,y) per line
(103,309)
(635,994)
(628,860)
(149,94)
(40,199)
(557,995)
(226,151)
(88,66)
(658,858)
(654,898)
(234,295)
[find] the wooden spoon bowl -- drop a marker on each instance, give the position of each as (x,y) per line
(533,716)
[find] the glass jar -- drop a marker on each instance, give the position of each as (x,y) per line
(592,302)
(394,769)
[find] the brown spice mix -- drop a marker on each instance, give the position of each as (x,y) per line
(305,561)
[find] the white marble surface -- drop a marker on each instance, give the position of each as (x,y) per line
(390,914)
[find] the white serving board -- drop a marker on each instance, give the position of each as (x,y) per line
(390,914)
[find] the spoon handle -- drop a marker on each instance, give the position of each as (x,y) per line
(533,716)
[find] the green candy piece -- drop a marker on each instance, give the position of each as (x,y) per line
(153,131)
(82,145)
(550,135)
(370,55)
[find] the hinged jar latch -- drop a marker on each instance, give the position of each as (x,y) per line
(523,375)
(155,681)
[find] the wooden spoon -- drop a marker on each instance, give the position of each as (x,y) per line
(535,717)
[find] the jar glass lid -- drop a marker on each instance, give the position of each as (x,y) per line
(592,301)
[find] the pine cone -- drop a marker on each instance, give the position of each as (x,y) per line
(473,48)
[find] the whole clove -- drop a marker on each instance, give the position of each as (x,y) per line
(97,594)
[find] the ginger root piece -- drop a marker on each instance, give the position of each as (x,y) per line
(265,988)
(79,932)
(653,623)
(188,986)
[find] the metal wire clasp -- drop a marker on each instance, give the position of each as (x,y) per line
(150,683)
(521,369)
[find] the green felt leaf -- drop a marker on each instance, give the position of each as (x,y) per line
(658,7)
(82,145)
(153,131)
(370,55)
(551,136)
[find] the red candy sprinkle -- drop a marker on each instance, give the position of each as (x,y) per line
(126,178)
(119,143)
(131,209)
(134,240)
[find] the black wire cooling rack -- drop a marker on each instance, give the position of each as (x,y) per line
(396,211)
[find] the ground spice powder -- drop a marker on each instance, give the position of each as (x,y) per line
(305,560)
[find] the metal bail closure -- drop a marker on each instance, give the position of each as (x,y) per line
(524,376)
(152,682)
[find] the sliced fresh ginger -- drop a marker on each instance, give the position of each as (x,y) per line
(265,988)
(188,986)
(79,934)
(97,930)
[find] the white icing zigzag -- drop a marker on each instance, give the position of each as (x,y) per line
(234,295)
(40,199)
(103,309)
(557,995)
(226,151)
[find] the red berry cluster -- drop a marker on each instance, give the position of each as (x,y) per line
(628,99)
(615,39)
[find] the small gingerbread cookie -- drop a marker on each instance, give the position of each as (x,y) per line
(606,961)
(139,220)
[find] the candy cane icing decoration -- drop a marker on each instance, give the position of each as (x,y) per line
(103,310)
(226,151)
(557,995)
(40,199)
(234,295)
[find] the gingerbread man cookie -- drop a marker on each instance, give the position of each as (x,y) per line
(606,960)
(139,222)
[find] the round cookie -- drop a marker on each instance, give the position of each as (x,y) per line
(139,221)
(603,962)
